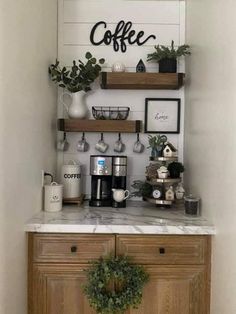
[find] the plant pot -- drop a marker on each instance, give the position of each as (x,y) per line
(168,65)
(156,152)
(174,174)
(78,108)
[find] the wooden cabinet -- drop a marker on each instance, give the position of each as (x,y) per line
(56,270)
(179,269)
(57,289)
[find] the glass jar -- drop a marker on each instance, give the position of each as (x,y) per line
(191,204)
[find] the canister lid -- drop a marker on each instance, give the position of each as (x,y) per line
(72,164)
(191,198)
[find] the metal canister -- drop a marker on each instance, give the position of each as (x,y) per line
(71,179)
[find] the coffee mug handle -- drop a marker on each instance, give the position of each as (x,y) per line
(62,100)
(128,193)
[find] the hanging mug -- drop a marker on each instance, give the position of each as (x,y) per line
(83,145)
(119,145)
(138,146)
(63,144)
(101,146)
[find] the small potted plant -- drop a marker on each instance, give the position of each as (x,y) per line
(156,143)
(167,57)
(77,81)
(175,168)
(142,188)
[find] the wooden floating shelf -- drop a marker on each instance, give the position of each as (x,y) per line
(163,158)
(132,80)
(157,201)
(80,125)
(167,180)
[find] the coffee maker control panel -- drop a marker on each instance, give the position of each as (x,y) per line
(100,165)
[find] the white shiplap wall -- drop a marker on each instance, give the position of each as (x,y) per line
(164,19)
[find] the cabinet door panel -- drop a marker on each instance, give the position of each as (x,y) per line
(175,290)
(57,289)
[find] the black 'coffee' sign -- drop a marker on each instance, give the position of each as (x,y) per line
(123,35)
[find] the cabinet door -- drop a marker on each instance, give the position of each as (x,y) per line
(175,290)
(57,289)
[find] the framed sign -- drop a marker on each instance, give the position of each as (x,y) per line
(162,115)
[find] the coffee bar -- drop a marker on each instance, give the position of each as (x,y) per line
(120,227)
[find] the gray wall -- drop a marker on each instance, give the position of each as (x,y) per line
(210,128)
(28,37)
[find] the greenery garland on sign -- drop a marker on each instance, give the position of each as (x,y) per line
(126,278)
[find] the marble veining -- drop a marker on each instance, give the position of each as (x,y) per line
(136,218)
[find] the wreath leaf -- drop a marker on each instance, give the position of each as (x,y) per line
(114,284)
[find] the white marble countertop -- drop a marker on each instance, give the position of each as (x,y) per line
(136,218)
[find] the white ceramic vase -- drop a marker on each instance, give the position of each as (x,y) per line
(78,108)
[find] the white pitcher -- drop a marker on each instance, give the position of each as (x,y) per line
(77,108)
(119,195)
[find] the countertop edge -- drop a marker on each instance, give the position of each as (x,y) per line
(120,229)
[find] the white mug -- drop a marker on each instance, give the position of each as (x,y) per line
(101,146)
(119,195)
(53,197)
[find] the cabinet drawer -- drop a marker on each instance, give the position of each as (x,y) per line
(178,250)
(71,248)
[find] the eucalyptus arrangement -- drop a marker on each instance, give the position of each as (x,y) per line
(114,284)
(77,80)
(79,77)
(167,57)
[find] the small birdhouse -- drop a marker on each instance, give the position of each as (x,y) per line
(170,195)
(169,150)
(140,66)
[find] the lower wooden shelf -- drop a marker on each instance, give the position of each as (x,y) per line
(167,180)
(83,125)
(157,201)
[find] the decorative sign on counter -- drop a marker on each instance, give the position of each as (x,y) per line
(123,35)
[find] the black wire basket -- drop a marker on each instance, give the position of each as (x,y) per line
(110,113)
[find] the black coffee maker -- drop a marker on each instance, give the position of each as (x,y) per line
(119,173)
(101,180)
(107,173)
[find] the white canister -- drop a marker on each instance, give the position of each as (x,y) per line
(71,180)
(53,197)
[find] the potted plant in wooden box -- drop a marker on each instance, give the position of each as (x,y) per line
(77,81)
(167,57)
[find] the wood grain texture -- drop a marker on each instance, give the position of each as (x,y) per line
(64,248)
(78,125)
(57,289)
(131,80)
(174,290)
(179,278)
(185,250)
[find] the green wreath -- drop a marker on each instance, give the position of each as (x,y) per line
(126,279)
